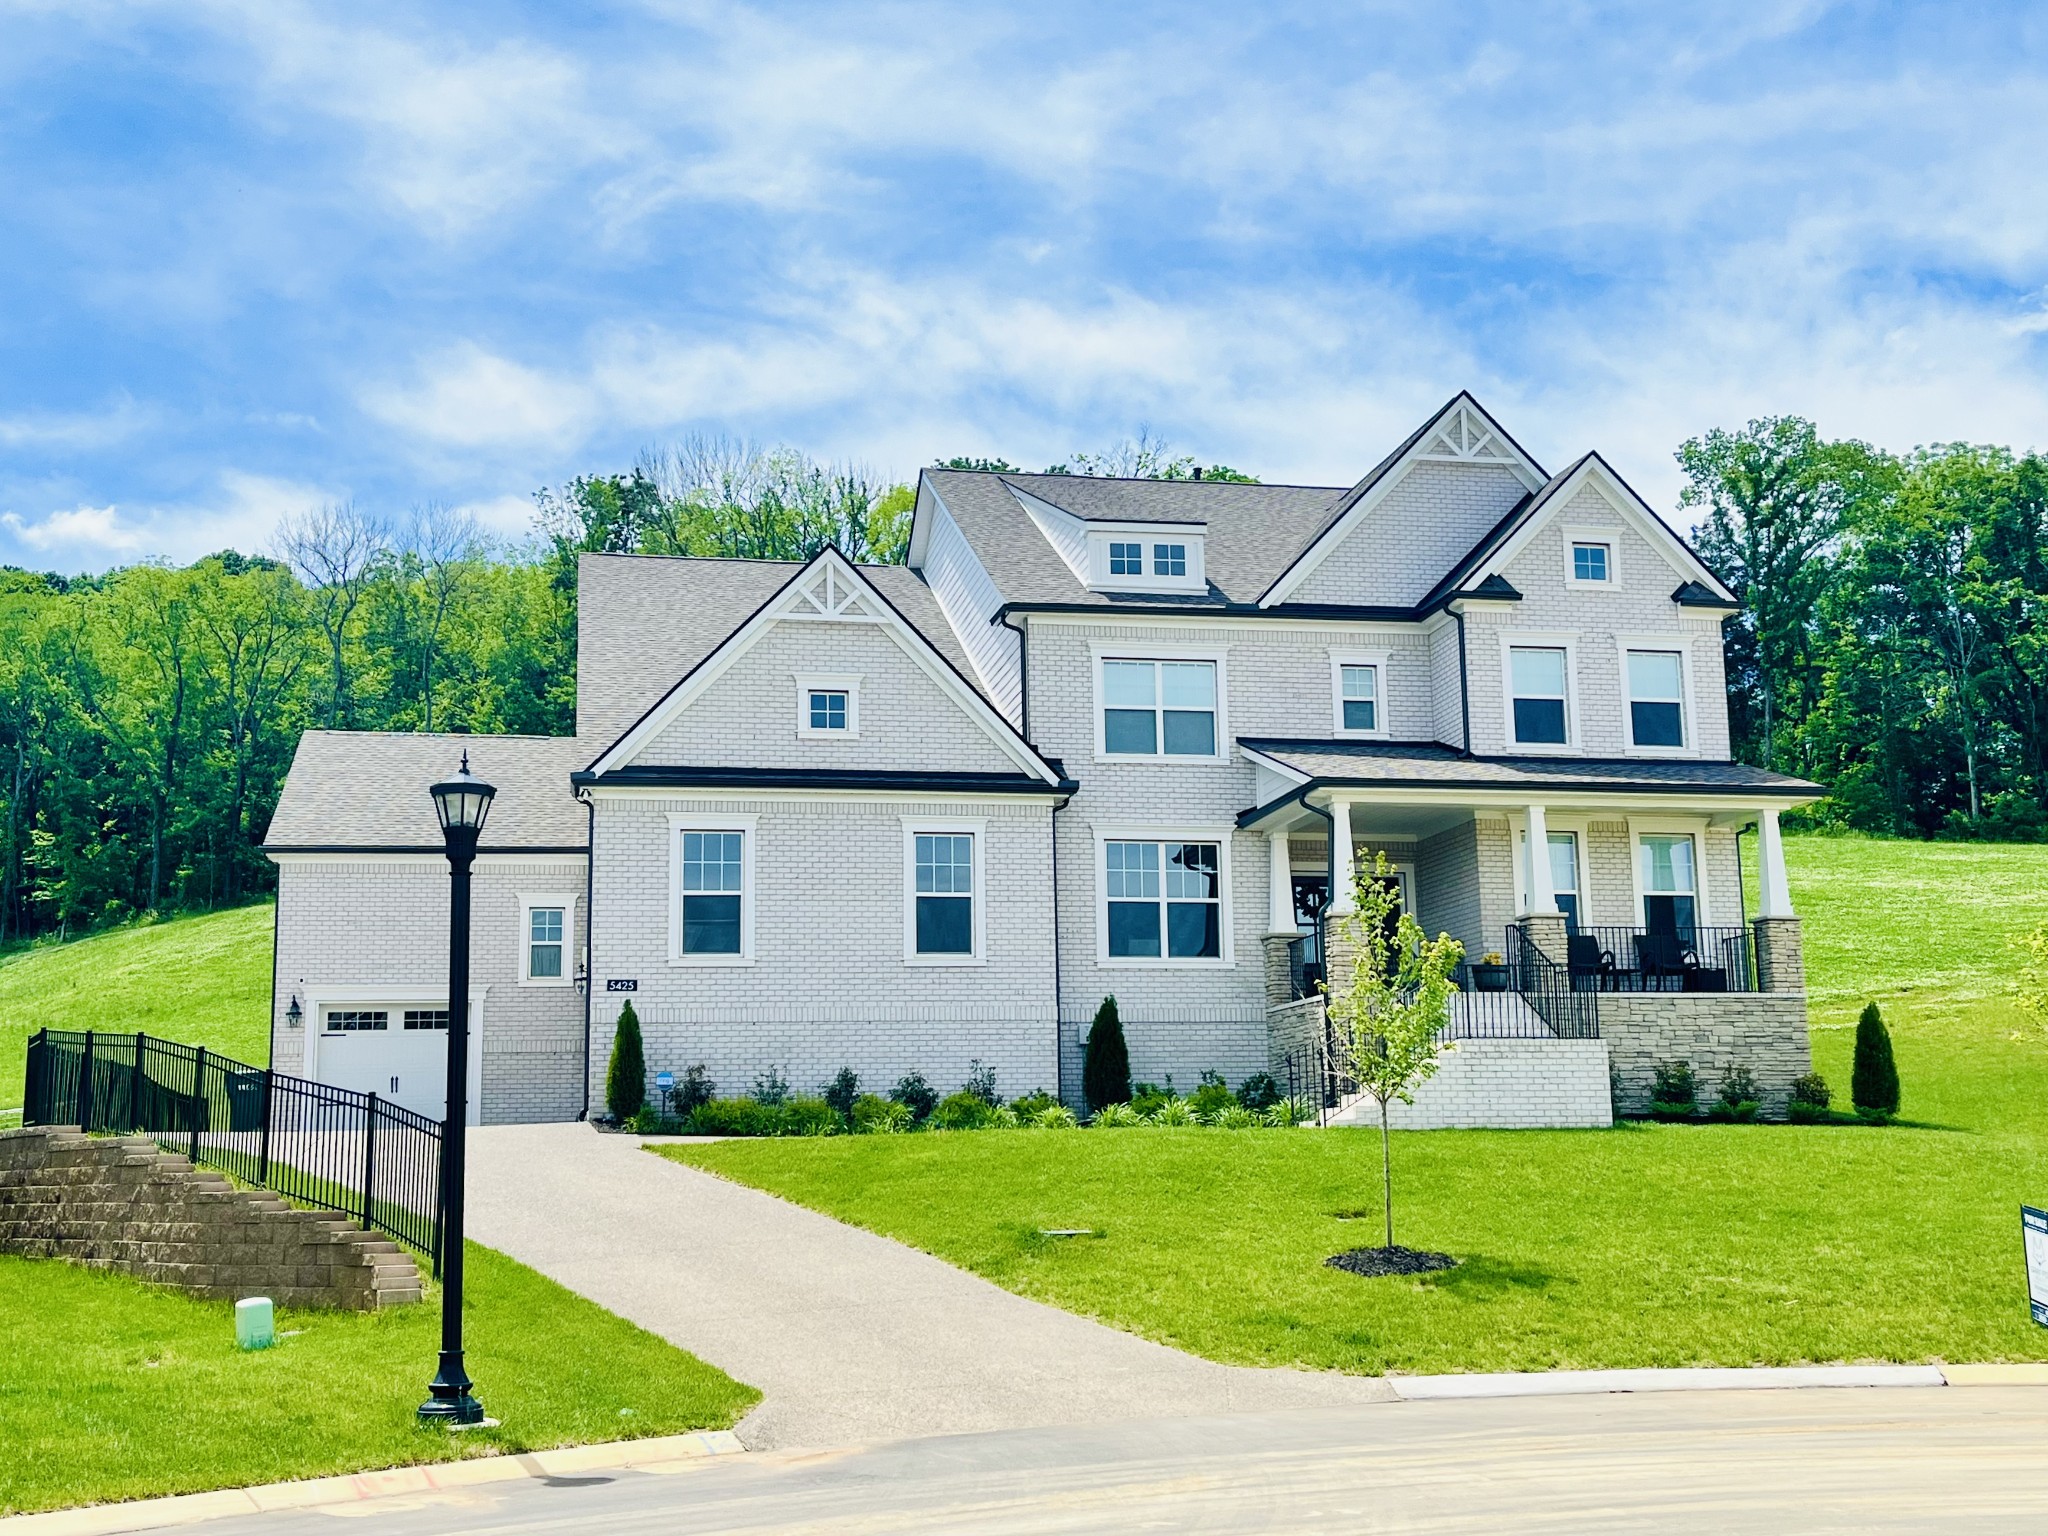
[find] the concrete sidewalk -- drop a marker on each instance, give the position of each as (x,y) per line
(852,1338)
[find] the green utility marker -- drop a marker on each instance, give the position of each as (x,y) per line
(255,1323)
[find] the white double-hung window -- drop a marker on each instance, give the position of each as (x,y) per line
(1357,685)
(547,928)
(1656,699)
(1539,707)
(1163,899)
(712,907)
(942,916)
(1158,708)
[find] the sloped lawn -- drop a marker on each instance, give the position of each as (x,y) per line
(112,1389)
(1645,1245)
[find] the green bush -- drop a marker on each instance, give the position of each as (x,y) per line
(646,1120)
(771,1088)
(696,1088)
(1172,1112)
(1054,1117)
(1147,1097)
(1674,1093)
(963,1111)
(1739,1096)
(1290,1112)
(1237,1118)
(842,1091)
(625,1079)
(981,1082)
(1114,1116)
(1211,1098)
(804,1114)
(1029,1106)
(1106,1069)
(1259,1092)
(915,1095)
(733,1117)
(1874,1079)
(1810,1100)
(876,1116)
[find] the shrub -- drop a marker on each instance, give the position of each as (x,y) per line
(733,1117)
(1113,1116)
(771,1088)
(1236,1118)
(876,1116)
(1259,1091)
(1147,1097)
(1874,1081)
(1211,1098)
(1003,1118)
(646,1120)
(1030,1106)
(1290,1112)
(625,1079)
(1674,1094)
(842,1091)
(915,1095)
(1739,1095)
(1172,1112)
(1054,1117)
(1106,1069)
(696,1088)
(963,1111)
(1810,1100)
(981,1082)
(805,1115)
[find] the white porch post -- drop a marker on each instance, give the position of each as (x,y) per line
(1280,879)
(1773,889)
(1542,897)
(1341,858)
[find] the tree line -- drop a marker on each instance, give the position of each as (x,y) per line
(1890,645)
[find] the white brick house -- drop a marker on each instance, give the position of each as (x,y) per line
(1093,738)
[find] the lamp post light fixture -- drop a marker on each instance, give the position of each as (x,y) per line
(461,803)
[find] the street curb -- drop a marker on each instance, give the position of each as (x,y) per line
(654,1454)
(1694,1379)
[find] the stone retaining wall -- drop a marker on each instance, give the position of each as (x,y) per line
(1765,1032)
(121,1202)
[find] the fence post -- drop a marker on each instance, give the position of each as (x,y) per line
(263,1144)
(198,1100)
(85,1085)
(369,1157)
(35,1096)
(135,1084)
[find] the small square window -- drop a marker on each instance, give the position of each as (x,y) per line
(1169,559)
(828,709)
(1589,562)
(1126,559)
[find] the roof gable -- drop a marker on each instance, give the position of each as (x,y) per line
(827,589)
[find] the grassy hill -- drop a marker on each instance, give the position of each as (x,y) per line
(204,980)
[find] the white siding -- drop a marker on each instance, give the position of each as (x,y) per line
(969,599)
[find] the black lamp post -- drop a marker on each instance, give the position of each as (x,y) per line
(462,803)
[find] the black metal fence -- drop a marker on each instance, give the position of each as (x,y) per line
(1691,959)
(374,1161)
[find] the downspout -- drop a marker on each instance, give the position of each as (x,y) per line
(589,938)
(1464,689)
(1059,1026)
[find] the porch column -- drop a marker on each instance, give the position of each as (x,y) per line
(1780,957)
(1542,898)
(1280,883)
(1341,904)
(1773,890)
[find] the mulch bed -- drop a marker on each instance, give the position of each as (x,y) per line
(1390,1261)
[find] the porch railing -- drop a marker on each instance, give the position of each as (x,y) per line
(373,1161)
(1699,958)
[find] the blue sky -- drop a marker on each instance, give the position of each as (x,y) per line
(257,255)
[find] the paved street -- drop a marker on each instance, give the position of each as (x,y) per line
(1875,1459)
(852,1338)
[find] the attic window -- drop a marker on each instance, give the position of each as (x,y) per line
(1169,559)
(828,706)
(1127,559)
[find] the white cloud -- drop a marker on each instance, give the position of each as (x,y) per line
(98,528)
(243,515)
(467,397)
(76,429)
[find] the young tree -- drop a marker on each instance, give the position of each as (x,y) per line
(1389,1017)
(625,1078)
(1874,1076)
(1106,1069)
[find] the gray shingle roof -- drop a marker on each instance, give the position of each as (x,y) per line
(1253,531)
(1428,765)
(368,789)
(643,621)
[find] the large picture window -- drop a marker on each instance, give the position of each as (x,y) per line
(1536,679)
(1656,699)
(714,889)
(943,868)
(1670,885)
(1158,708)
(1165,900)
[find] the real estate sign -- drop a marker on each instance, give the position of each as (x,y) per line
(2034,1228)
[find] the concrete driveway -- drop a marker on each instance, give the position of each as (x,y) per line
(851,1338)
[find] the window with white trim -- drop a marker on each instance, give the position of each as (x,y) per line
(1169,559)
(545,943)
(1536,682)
(828,710)
(942,865)
(713,877)
(426,1018)
(1592,562)
(1358,696)
(1670,884)
(1126,559)
(1158,708)
(1656,699)
(1165,900)
(1564,873)
(828,706)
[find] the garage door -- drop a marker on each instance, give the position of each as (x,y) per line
(398,1052)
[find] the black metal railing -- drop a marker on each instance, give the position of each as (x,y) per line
(374,1161)
(1548,989)
(1691,959)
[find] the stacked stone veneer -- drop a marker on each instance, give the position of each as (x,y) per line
(1763,1031)
(123,1203)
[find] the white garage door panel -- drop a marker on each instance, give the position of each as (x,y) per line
(380,1055)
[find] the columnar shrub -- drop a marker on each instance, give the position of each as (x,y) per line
(1874,1082)
(1106,1069)
(625,1079)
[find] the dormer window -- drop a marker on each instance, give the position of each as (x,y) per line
(1126,559)
(1169,559)
(828,706)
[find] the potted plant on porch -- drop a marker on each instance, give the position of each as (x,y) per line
(1490,973)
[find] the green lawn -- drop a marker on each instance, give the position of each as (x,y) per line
(112,1389)
(1645,1245)
(204,980)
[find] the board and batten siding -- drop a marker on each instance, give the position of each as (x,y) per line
(968,597)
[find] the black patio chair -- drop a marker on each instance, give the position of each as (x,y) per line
(1664,956)
(1590,963)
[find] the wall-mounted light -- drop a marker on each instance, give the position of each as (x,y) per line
(295,1016)
(582,975)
